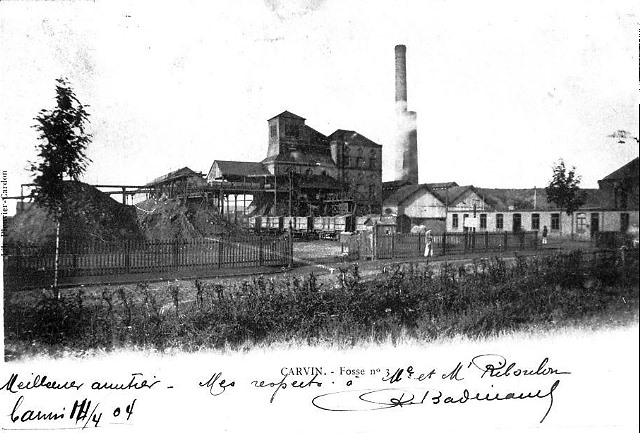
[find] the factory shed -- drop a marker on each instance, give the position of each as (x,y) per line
(235,171)
(176,182)
(416,205)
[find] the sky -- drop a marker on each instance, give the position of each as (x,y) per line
(502,89)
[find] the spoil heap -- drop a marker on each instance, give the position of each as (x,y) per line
(171,218)
(88,215)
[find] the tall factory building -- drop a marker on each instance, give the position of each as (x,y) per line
(406,138)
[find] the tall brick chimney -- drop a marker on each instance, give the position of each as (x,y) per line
(406,145)
(401,78)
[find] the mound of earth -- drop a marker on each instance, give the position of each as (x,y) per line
(171,218)
(88,214)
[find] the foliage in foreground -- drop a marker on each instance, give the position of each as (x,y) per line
(485,298)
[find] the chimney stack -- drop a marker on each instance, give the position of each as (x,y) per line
(406,146)
(401,78)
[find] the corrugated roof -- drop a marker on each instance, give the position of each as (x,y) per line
(240,168)
(630,170)
(352,137)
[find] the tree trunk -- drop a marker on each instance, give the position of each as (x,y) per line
(56,292)
(571,225)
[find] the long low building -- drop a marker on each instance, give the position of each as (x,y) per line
(611,207)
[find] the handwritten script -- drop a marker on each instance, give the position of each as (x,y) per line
(482,379)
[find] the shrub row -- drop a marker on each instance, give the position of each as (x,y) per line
(425,302)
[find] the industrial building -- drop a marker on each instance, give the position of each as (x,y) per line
(307,173)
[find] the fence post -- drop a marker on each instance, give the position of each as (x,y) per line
(522,240)
(260,251)
(74,257)
(444,243)
(220,250)
(175,253)
(535,239)
(419,249)
(127,256)
(290,245)
(506,240)
(486,241)
(374,240)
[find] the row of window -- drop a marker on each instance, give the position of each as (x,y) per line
(517,221)
(581,220)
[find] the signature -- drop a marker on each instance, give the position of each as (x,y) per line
(496,366)
(388,398)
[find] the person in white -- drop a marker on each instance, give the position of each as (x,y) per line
(428,249)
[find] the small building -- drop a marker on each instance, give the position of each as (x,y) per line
(236,171)
(176,183)
(416,205)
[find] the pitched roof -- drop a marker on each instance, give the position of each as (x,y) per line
(315,137)
(392,184)
(441,185)
(629,170)
(597,199)
(511,198)
(240,168)
(352,137)
(535,198)
(173,175)
(448,196)
(288,114)
(403,193)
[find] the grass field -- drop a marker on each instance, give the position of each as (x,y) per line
(416,301)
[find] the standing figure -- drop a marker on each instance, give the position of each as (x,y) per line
(545,232)
(428,250)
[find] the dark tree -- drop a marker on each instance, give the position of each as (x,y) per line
(61,151)
(564,190)
(61,154)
